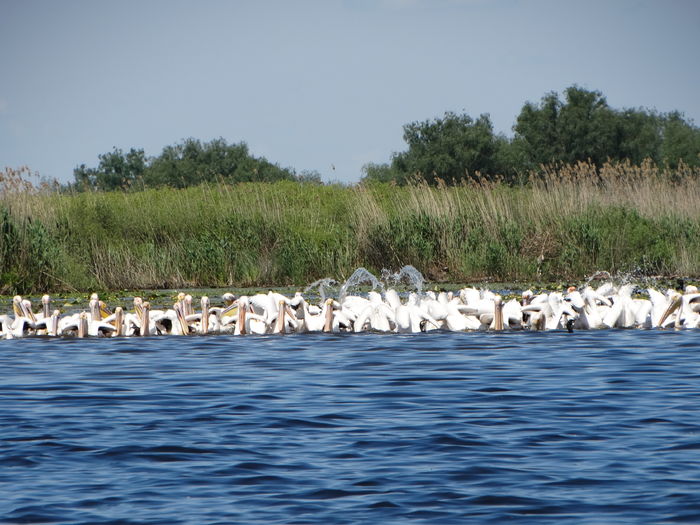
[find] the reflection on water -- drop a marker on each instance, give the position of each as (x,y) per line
(590,427)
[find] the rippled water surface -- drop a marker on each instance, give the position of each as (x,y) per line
(590,427)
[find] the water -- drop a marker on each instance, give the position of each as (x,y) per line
(408,274)
(590,427)
(358,277)
(320,286)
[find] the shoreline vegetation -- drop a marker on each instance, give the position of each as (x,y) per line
(581,187)
(565,222)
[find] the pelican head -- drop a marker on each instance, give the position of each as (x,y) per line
(243,306)
(17,306)
(27,309)
(180,315)
(205,314)
(674,303)
(119,321)
(328,322)
(188,305)
(82,324)
(145,318)
(497,313)
(46,305)
(281,313)
(94,306)
(138,306)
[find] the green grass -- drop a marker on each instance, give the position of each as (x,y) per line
(564,225)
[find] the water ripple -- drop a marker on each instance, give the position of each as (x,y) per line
(590,427)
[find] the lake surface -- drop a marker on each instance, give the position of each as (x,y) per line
(590,427)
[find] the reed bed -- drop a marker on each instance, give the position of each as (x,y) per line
(565,223)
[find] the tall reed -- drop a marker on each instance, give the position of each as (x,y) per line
(566,222)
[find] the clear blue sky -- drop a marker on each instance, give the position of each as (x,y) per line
(316,84)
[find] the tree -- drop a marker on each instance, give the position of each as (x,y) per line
(581,127)
(537,131)
(116,170)
(638,135)
(681,141)
(193,162)
(382,173)
(451,148)
(185,164)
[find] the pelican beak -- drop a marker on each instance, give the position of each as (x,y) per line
(17,306)
(27,309)
(138,306)
(104,311)
(145,321)
(230,308)
(498,313)
(46,305)
(119,321)
(185,328)
(83,324)
(290,312)
(672,307)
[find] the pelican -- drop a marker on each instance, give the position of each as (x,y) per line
(178,324)
(376,314)
(664,307)
(286,320)
(204,318)
(410,318)
(24,321)
(622,312)
(248,321)
(321,322)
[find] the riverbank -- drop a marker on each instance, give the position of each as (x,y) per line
(565,224)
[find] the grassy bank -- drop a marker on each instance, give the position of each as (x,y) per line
(564,224)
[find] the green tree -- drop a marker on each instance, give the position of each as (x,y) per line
(382,173)
(192,162)
(681,141)
(451,148)
(537,132)
(586,127)
(581,127)
(116,170)
(638,135)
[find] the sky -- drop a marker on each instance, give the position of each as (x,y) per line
(317,85)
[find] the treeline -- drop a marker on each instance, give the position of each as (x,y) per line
(188,163)
(581,127)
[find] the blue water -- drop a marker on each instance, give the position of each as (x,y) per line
(589,427)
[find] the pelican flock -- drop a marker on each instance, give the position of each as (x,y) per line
(468,309)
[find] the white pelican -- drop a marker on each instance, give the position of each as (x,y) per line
(21,324)
(321,322)
(173,321)
(376,314)
(248,321)
(286,320)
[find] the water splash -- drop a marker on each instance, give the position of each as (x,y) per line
(408,274)
(638,277)
(322,284)
(359,276)
(597,276)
